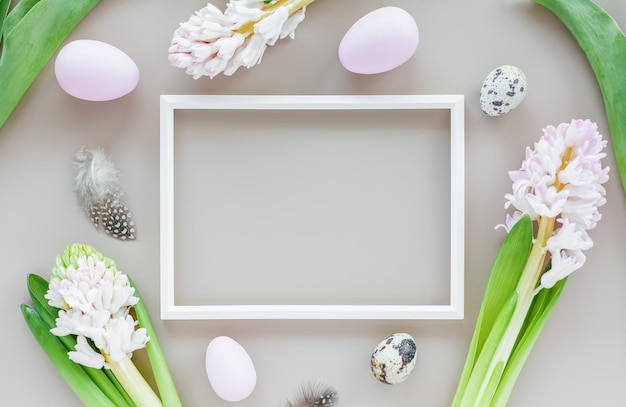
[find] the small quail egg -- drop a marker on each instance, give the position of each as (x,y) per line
(503,90)
(394,358)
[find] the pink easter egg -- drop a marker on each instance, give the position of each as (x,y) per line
(230,369)
(94,70)
(379,41)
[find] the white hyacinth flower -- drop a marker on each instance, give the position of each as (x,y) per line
(94,300)
(92,287)
(213,42)
(560,184)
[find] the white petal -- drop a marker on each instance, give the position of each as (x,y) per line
(270,27)
(122,338)
(249,55)
(85,355)
(229,45)
(562,266)
(180,60)
(289,28)
(239,14)
(568,237)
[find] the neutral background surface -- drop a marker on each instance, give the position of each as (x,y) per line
(580,357)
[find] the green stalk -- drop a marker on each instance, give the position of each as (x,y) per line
(604,44)
(488,368)
(542,307)
(484,385)
(74,375)
(37,288)
(31,42)
(127,401)
(160,369)
(131,379)
(503,279)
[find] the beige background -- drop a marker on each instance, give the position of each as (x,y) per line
(579,359)
(316,207)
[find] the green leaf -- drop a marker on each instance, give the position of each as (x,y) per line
(473,394)
(31,43)
(542,307)
(162,374)
(604,44)
(4,10)
(503,279)
(72,373)
(37,288)
(505,273)
(16,14)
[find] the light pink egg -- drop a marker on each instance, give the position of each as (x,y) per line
(379,41)
(230,369)
(96,71)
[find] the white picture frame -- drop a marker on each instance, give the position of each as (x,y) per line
(170,310)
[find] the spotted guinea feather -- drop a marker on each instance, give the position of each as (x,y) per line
(98,190)
(313,395)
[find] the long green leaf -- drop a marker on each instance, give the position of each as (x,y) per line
(72,373)
(604,44)
(473,394)
(4,10)
(505,273)
(162,374)
(542,307)
(503,279)
(17,13)
(32,42)
(37,288)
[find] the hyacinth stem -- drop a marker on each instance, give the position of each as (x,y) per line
(488,382)
(133,382)
(162,375)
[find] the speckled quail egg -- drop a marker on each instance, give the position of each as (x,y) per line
(503,90)
(393,359)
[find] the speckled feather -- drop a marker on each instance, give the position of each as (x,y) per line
(315,394)
(99,193)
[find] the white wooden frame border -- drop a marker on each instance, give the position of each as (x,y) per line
(455,103)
